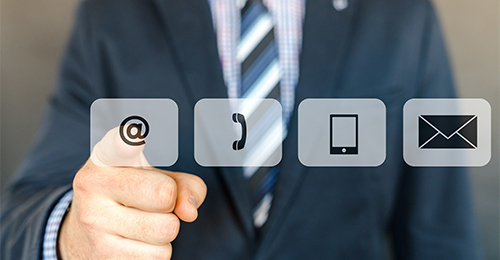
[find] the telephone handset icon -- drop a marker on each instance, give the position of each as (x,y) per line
(240,144)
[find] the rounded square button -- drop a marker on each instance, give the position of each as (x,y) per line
(342,132)
(149,122)
(238,132)
(447,132)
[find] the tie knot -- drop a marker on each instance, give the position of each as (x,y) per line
(254,7)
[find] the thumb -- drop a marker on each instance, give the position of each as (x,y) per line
(113,151)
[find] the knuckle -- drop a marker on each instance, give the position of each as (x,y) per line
(165,194)
(163,252)
(172,227)
(88,218)
(167,228)
(80,181)
(86,178)
(198,186)
(199,182)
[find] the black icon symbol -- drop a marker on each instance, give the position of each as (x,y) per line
(447,132)
(343,134)
(240,144)
(139,134)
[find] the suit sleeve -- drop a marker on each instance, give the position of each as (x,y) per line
(433,218)
(61,147)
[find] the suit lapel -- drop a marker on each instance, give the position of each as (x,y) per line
(325,36)
(189,27)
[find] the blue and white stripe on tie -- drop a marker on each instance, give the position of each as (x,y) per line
(258,55)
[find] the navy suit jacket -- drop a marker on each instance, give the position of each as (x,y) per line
(387,49)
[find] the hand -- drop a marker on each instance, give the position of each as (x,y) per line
(128,212)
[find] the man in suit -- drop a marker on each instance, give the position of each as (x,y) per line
(388,49)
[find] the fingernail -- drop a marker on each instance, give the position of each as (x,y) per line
(193,201)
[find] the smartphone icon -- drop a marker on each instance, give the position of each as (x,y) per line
(343,134)
(240,119)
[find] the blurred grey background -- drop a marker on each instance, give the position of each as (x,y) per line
(33,35)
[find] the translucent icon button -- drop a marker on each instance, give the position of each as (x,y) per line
(447,132)
(149,122)
(238,132)
(341,132)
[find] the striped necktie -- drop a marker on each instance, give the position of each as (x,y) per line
(260,78)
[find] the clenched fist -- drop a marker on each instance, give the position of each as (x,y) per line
(129,212)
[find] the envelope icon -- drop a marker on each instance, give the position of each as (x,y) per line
(447,131)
